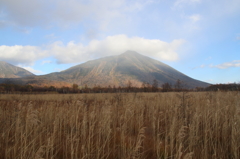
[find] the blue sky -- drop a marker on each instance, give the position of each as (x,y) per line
(200,38)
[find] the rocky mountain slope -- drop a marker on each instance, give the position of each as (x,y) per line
(10,71)
(119,70)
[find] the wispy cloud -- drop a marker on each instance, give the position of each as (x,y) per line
(195,18)
(235,63)
(50,36)
(46,61)
(209,58)
(181,3)
(58,69)
(37,72)
(201,66)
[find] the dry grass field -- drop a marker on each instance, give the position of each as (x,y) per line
(203,125)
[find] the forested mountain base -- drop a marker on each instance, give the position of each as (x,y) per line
(121,126)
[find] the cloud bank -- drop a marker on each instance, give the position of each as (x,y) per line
(19,54)
(114,45)
(76,52)
(47,13)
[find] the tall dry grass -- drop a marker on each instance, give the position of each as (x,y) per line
(120,126)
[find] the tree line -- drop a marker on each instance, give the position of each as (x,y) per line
(145,87)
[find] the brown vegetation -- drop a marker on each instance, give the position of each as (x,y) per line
(120,126)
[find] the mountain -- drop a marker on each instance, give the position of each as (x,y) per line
(119,70)
(10,71)
(35,81)
(11,74)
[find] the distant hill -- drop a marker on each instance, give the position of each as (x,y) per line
(118,70)
(10,71)
(11,74)
(35,81)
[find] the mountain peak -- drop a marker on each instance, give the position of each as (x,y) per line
(130,53)
(2,62)
(10,71)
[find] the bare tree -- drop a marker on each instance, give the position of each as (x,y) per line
(129,85)
(178,85)
(166,87)
(75,88)
(155,85)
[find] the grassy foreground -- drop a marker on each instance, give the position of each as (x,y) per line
(121,126)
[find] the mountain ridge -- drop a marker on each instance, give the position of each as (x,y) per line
(10,71)
(10,74)
(118,70)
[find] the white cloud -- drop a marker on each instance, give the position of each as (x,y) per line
(37,72)
(114,45)
(77,52)
(50,36)
(58,69)
(195,18)
(228,7)
(201,66)
(19,54)
(235,63)
(64,12)
(193,22)
(210,80)
(181,3)
(46,61)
